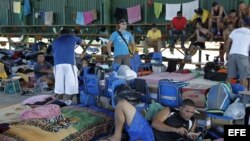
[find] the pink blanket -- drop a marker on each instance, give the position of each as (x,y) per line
(154,78)
(45,111)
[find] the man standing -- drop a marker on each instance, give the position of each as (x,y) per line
(153,39)
(65,70)
(237,51)
(121,39)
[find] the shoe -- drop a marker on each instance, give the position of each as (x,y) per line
(68,102)
(49,89)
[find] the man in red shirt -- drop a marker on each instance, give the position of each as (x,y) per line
(179,24)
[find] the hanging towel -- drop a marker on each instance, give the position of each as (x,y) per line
(79,18)
(94,14)
(17,7)
(157,9)
(48,18)
(188,9)
(26,8)
(88,18)
(134,14)
(120,13)
(171,11)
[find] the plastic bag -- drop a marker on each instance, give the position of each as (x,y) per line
(236,110)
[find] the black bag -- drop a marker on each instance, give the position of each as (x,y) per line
(127,93)
(172,64)
(211,73)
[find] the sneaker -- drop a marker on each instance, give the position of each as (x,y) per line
(68,102)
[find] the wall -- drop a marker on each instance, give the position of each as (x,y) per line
(65,9)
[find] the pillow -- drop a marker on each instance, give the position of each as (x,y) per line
(34,99)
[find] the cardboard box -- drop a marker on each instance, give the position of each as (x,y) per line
(197,93)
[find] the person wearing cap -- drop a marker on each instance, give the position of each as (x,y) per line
(216,16)
(179,24)
(201,14)
(65,70)
(121,49)
(153,39)
(237,49)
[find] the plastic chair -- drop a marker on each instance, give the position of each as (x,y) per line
(139,67)
(157,56)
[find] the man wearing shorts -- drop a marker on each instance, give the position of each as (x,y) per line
(65,70)
(237,51)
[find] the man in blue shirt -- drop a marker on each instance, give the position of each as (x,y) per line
(121,49)
(65,69)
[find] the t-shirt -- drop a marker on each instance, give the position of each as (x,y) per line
(204,16)
(120,47)
(174,120)
(64,49)
(240,41)
(154,35)
(179,23)
(38,67)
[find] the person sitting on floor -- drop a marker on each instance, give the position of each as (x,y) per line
(43,70)
(167,125)
(153,39)
(201,36)
(179,24)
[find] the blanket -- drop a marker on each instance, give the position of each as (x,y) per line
(91,124)
(154,78)
(11,113)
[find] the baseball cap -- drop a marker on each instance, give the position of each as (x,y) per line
(122,21)
(198,11)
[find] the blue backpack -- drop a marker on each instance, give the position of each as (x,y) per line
(111,84)
(169,93)
(219,98)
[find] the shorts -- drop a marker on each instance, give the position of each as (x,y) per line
(140,129)
(123,60)
(66,81)
(238,66)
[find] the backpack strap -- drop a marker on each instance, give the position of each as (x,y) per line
(125,41)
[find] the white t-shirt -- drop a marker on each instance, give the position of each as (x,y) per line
(240,41)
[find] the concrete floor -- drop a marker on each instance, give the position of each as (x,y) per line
(10,99)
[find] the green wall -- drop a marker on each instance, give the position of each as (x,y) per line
(65,9)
